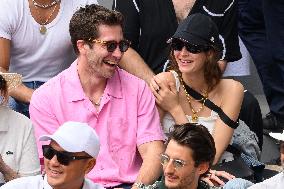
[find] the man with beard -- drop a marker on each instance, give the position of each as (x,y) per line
(188,157)
(119,106)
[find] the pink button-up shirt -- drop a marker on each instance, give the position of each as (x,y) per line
(127,118)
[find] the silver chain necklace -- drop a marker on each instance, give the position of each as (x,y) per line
(45,6)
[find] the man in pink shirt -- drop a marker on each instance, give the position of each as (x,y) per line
(119,106)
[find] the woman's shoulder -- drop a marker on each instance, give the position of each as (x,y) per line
(230,87)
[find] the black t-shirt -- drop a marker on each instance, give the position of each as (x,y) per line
(150,23)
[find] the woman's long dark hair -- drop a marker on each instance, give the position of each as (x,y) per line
(212,71)
(3,90)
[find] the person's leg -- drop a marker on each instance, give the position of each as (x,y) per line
(237,183)
(273,12)
(250,113)
(252,32)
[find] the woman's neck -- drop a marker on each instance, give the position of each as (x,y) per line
(195,81)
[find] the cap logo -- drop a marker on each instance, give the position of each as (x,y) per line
(212,39)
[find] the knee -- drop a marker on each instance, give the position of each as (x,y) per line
(238,183)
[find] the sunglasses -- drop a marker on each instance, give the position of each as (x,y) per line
(178,44)
(177,163)
(63,158)
(123,45)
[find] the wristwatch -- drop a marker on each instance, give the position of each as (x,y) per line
(139,185)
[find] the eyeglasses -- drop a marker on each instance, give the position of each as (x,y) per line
(63,158)
(178,44)
(177,163)
(112,45)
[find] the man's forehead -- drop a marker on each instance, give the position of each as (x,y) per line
(110,32)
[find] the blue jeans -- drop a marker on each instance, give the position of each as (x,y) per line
(237,183)
(22,107)
(261,27)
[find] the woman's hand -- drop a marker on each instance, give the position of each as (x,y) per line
(165,93)
(213,178)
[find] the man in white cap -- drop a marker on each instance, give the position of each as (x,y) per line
(69,156)
(276,182)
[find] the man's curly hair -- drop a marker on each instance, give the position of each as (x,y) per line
(85,22)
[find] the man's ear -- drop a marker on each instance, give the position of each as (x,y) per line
(202,168)
(82,46)
(90,165)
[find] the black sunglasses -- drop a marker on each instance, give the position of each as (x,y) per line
(112,45)
(178,44)
(63,158)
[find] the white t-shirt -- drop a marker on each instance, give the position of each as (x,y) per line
(275,182)
(38,57)
(37,182)
(17,143)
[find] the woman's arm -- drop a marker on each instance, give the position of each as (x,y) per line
(232,97)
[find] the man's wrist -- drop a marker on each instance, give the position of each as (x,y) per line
(138,185)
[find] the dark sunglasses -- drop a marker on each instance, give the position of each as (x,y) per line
(112,45)
(178,44)
(63,158)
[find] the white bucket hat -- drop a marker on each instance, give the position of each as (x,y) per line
(76,137)
(278,136)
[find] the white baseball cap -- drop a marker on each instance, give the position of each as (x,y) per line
(76,137)
(278,136)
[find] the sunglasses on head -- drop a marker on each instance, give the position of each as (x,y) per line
(177,163)
(123,45)
(63,157)
(178,44)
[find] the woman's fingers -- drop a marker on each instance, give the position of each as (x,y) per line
(208,181)
(224,174)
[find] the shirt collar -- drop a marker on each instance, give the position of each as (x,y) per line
(113,87)
(73,83)
(4,123)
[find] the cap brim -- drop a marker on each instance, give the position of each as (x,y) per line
(196,40)
(189,38)
(62,143)
(278,136)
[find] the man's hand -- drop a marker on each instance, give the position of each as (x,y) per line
(8,173)
(2,163)
(22,93)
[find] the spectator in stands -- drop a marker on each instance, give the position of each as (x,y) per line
(188,157)
(18,155)
(118,105)
(66,160)
(196,49)
(35,43)
(277,181)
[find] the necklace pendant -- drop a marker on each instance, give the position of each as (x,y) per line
(194,118)
(42,29)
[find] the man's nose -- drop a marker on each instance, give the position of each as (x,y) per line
(117,53)
(169,167)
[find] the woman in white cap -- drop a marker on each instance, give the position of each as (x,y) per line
(196,48)
(18,152)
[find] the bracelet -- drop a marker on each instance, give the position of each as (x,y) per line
(139,185)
